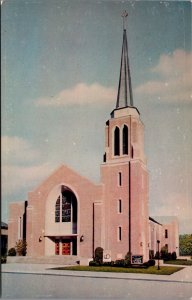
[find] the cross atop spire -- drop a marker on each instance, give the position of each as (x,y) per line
(124,96)
(124,16)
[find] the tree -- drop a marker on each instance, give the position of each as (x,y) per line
(21,247)
(128,259)
(185,244)
(99,255)
(164,251)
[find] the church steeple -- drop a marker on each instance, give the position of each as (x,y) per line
(124,96)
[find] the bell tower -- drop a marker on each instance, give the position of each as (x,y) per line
(124,172)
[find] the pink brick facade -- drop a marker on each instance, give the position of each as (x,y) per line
(113,215)
(17,223)
(86,194)
(167,233)
(132,191)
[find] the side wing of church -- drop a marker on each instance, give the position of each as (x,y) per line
(69,215)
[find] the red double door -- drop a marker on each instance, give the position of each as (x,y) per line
(66,247)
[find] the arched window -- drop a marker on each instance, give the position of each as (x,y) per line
(116,141)
(125,139)
(57,210)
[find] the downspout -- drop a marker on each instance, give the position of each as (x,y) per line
(129,207)
(130,192)
(93,241)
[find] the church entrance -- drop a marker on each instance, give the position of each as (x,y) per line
(66,246)
(61,222)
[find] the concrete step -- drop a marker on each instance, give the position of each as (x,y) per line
(64,260)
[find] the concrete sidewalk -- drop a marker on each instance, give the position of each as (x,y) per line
(184,275)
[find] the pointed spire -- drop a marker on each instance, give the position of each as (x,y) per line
(124,96)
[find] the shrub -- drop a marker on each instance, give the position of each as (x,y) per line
(3,259)
(12,252)
(151,254)
(146,264)
(21,247)
(99,255)
(164,253)
(173,256)
(127,264)
(93,263)
(120,263)
(167,257)
(157,255)
(109,263)
(127,261)
(151,262)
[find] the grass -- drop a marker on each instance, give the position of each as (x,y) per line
(164,270)
(179,262)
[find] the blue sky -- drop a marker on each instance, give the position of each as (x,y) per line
(60,69)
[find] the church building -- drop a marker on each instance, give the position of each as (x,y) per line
(67,214)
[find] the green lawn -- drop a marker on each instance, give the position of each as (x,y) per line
(151,270)
(179,262)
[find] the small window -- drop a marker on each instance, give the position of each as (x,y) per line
(119,206)
(119,179)
(132,152)
(166,233)
(119,233)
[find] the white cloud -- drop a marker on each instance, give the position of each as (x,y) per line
(20,178)
(175,73)
(176,64)
(80,94)
(20,165)
(16,150)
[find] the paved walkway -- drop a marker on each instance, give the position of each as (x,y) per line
(184,275)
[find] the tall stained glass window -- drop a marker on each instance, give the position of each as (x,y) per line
(57,210)
(66,208)
(63,207)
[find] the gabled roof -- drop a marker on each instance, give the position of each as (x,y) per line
(63,173)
